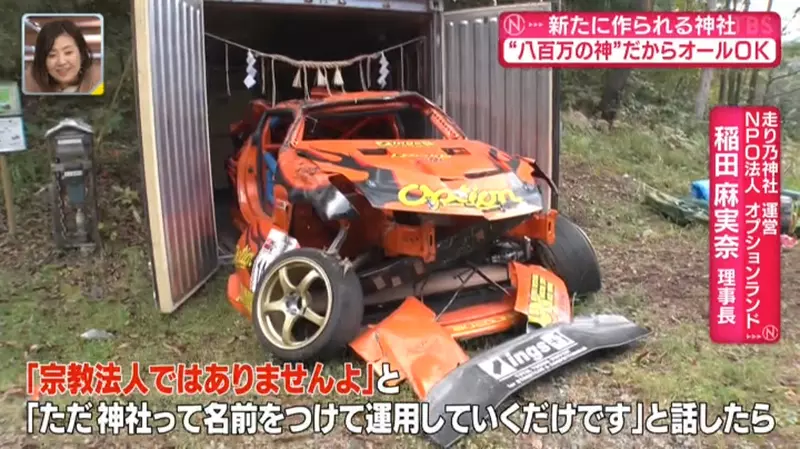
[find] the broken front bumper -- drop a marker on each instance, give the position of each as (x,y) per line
(491,377)
(414,342)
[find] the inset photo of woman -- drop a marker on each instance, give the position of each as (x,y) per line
(62,54)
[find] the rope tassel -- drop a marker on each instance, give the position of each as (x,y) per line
(402,70)
(227,71)
(264,78)
(327,86)
(298,82)
(337,78)
(322,80)
(274,84)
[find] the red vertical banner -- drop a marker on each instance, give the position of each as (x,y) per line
(762,198)
(726,225)
(744,228)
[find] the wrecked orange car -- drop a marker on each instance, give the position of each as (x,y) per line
(370,221)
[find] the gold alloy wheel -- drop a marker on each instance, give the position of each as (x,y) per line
(286,299)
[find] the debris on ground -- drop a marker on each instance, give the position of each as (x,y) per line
(694,208)
(96,334)
(680,211)
(788,242)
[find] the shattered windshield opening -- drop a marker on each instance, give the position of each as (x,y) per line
(381,122)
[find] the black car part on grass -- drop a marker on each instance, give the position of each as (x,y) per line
(490,378)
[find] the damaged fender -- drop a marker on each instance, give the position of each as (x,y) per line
(413,344)
(493,376)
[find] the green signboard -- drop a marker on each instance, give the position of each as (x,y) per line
(10,103)
(12,126)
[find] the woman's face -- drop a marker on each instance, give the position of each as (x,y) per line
(64,60)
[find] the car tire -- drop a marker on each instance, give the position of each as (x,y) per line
(344,315)
(572,257)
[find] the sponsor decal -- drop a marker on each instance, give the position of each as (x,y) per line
(542,304)
(404,143)
(415,195)
(480,324)
(550,349)
(430,157)
(277,243)
(243,259)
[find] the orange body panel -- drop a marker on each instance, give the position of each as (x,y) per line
(236,291)
(411,342)
(415,241)
(482,319)
(248,186)
(538,227)
(427,175)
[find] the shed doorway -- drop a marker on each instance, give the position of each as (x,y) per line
(302,33)
(188,95)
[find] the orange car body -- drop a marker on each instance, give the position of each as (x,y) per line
(447,179)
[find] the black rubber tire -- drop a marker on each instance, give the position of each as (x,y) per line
(572,257)
(346,314)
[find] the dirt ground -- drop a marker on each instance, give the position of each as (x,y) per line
(654,272)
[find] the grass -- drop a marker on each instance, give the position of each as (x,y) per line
(655,273)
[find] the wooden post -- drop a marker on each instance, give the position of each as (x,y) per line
(12,138)
(8,194)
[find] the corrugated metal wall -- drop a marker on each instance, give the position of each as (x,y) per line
(508,108)
(181,153)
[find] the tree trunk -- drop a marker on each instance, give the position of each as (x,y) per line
(706,78)
(767,87)
(725,75)
(612,93)
(731,88)
(737,89)
(771,78)
(616,80)
(703,93)
(752,87)
(751,92)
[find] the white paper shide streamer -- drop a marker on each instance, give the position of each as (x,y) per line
(250,79)
(383,71)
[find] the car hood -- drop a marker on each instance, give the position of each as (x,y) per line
(453,177)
